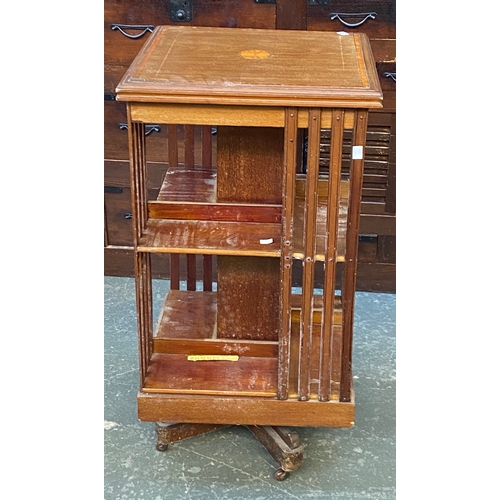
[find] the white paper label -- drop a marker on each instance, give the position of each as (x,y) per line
(267,241)
(357,152)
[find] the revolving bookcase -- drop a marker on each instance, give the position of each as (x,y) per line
(246,334)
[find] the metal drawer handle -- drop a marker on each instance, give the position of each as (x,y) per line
(123,27)
(147,131)
(388,74)
(340,16)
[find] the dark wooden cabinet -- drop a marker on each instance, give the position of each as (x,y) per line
(128,24)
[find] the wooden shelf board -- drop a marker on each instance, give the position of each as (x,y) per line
(211,237)
(187,314)
(175,374)
(226,237)
(189,184)
(187,324)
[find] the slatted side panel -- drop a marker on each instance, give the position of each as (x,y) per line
(327,325)
(377,245)
(191,146)
(309,245)
(142,263)
(290,157)
(376,170)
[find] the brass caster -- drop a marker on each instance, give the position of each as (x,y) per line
(280,474)
(161,447)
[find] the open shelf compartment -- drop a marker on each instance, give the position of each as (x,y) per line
(185,218)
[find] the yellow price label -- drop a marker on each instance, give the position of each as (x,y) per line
(212,357)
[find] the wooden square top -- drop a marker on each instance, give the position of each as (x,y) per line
(188,64)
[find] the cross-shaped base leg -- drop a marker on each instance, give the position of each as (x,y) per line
(282,443)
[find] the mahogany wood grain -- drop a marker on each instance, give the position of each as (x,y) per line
(189,146)
(209,347)
(175,271)
(248,300)
(249,170)
(234,212)
(191,271)
(211,237)
(228,115)
(187,315)
(244,411)
(254,78)
(142,263)
(321,230)
(173,164)
(248,376)
(333,383)
(250,67)
(207,273)
(288,197)
(184,184)
(325,359)
(309,246)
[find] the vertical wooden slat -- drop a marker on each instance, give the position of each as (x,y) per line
(206,163)
(206,146)
(349,286)
(207,273)
(189,163)
(191,271)
(173,146)
(326,341)
(290,156)
(189,146)
(174,271)
(142,261)
(173,161)
(309,251)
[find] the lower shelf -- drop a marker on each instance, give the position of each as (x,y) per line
(187,327)
(246,376)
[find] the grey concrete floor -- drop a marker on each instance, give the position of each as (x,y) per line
(230,463)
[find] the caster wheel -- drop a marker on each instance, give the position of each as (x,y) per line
(281,475)
(161,447)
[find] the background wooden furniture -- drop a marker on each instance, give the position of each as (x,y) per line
(256,350)
(127,24)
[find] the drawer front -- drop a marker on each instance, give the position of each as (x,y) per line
(128,23)
(118,216)
(116,134)
(376,18)
(387,74)
(118,229)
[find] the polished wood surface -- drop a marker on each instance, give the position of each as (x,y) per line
(244,410)
(221,66)
(252,201)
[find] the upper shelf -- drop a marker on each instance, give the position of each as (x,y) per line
(186,219)
(222,66)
